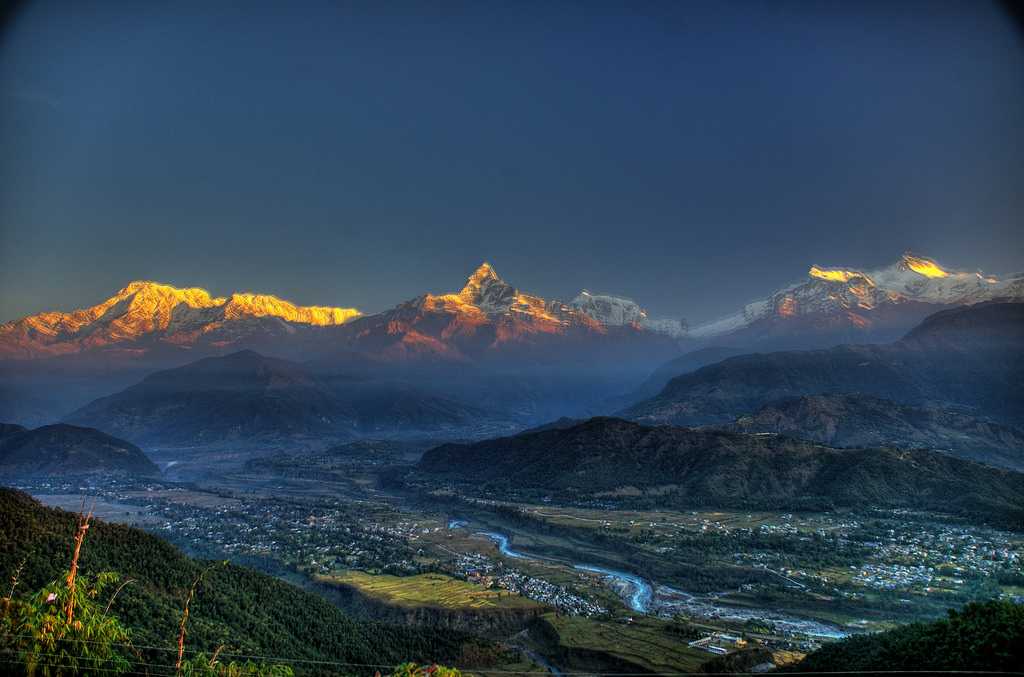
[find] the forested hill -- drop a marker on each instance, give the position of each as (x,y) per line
(247,612)
(983,636)
(682,467)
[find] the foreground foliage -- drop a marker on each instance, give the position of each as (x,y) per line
(414,670)
(253,614)
(202,665)
(40,634)
(62,630)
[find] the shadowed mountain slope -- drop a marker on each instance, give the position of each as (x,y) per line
(249,397)
(865,421)
(684,364)
(969,358)
(241,396)
(66,450)
(685,467)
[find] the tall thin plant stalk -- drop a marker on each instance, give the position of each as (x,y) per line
(83,526)
(116,592)
(14,580)
(185,612)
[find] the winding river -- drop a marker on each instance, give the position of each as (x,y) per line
(639,591)
(647,598)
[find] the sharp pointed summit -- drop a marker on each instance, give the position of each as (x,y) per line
(489,319)
(486,290)
(485,271)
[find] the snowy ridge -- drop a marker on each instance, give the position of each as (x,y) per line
(856,293)
(163,313)
(617,311)
(487,293)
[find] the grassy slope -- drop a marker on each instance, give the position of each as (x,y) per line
(429,590)
(644,642)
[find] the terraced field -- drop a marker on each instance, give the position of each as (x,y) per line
(644,642)
(434,590)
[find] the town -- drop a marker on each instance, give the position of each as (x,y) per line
(911,564)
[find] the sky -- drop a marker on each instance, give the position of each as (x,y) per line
(693,156)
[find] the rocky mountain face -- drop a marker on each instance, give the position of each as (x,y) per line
(612,459)
(147,317)
(490,321)
(66,450)
(835,305)
(852,420)
(970,359)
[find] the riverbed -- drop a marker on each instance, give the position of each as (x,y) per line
(647,597)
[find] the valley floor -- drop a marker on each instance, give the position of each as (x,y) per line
(581,587)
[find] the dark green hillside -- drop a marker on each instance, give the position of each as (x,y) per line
(983,636)
(682,467)
(248,612)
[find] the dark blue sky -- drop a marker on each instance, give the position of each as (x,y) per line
(693,156)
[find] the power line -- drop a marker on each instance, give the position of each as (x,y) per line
(520,672)
(283,659)
(93,669)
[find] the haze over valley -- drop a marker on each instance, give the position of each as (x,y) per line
(493,440)
(492,339)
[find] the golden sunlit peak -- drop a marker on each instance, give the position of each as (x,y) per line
(923,266)
(481,277)
(484,271)
(836,274)
(195,297)
(262,305)
(143,285)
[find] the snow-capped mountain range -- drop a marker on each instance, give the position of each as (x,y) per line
(159,313)
(486,290)
(145,317)
(489,319)
(895,296)
(488,314)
